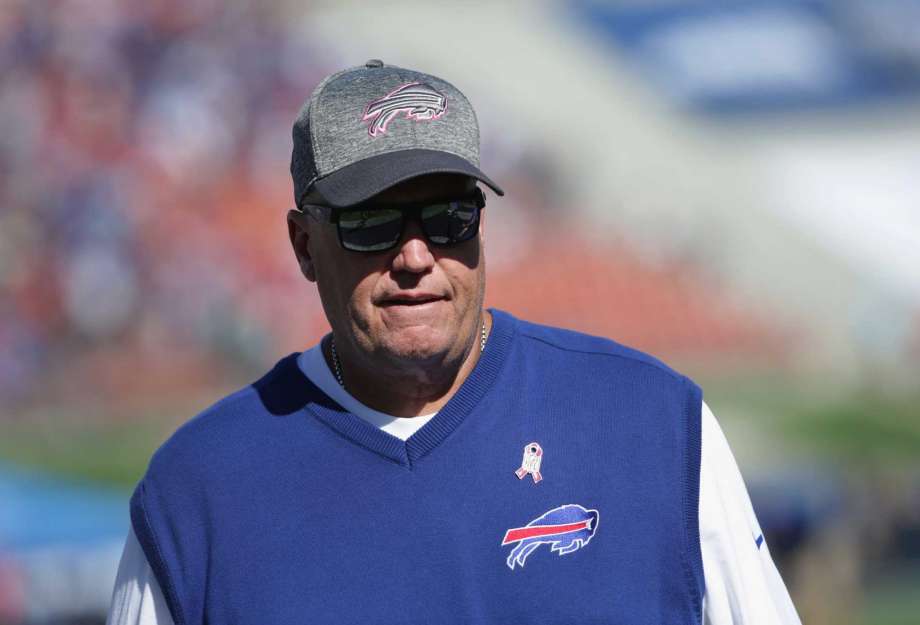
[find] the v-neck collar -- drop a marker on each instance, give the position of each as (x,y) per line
(440,426)
(312,363)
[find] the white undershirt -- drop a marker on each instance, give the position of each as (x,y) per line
(313,364)
(742,583)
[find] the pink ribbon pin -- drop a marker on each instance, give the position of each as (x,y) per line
(533,457)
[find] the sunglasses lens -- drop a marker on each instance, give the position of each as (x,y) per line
(450,222)
(370,230)
(377,230)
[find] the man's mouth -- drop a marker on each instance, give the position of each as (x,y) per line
(411,300)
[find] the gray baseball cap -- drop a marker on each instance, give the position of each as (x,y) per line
(367,128)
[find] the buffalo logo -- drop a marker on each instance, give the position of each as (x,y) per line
(565,529)
(417,100)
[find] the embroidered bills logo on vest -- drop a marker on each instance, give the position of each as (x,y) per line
(565,529)
(533,458)
(417,100)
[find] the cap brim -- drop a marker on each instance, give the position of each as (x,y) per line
(360,181)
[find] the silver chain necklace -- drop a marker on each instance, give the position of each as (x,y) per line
(338,367)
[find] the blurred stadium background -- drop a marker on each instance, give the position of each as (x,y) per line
(732,186)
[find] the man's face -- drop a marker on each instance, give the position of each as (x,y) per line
(414,305)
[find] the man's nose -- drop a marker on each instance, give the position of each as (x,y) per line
(414,253)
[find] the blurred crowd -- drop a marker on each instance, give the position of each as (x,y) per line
(136,163)
(144,151)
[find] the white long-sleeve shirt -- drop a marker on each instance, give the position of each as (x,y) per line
(742,583)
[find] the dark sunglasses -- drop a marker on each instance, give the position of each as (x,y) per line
(374,227)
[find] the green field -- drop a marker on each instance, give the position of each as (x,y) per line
(106,452)
(861,431)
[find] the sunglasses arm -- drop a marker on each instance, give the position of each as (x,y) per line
(318,212)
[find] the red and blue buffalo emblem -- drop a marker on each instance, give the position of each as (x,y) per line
(565,529)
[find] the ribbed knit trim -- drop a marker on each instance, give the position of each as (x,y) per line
(143,529)
(691,496)
(359,431)
(468,395)
(442,424)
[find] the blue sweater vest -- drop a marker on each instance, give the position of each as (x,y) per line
(559,485)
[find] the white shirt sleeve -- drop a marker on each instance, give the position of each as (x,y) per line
(742,583)
(137,598)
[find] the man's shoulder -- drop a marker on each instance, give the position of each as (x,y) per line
(232,420)
(575,342)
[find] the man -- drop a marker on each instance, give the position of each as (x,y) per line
(431,461)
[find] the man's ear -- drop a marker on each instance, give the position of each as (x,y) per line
(300,237)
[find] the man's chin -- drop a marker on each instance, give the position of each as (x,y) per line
(419,352)
(419,344)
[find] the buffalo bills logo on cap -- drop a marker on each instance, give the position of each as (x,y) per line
(565,529)
(416,99)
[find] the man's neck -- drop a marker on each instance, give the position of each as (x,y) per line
(408,392)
